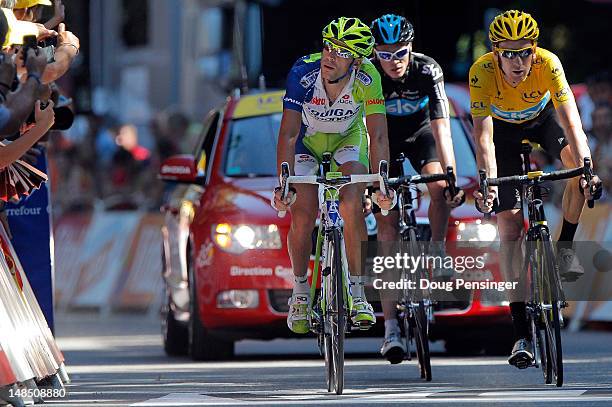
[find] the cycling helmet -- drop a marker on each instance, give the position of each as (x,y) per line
(391,29)
(354,34)
(513,25)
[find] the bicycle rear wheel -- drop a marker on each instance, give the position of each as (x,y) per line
(419,307)
(551,308)
(337,316)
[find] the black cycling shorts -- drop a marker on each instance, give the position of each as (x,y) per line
(420,149)
(545,130)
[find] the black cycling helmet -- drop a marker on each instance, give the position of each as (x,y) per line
(391,29)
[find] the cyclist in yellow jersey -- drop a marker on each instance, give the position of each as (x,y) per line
(517,92)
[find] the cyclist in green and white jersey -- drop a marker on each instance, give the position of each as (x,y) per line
(328,96)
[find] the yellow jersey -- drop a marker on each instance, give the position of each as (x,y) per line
(491,95)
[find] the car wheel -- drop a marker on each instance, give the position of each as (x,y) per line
(202,345)
(174,332)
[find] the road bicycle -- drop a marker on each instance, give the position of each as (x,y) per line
(415,307)
(330,307)
(546,297)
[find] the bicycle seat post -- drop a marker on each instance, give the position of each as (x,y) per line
(525,152)
(400,161)
(326,163)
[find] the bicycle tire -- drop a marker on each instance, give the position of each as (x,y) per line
(338,314)
(550,313)
(421,321)
(536,319)
(329,364)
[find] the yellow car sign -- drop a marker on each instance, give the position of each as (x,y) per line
(259,104)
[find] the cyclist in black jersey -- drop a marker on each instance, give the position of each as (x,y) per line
(418,126)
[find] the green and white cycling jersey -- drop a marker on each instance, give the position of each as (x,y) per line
(336,127)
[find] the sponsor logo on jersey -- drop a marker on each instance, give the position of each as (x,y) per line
(337,114)
(290,100)
(474,81)
(532,96)
(477,105)
(488,66)
(317,101)
(405,107)
(521,115)
(305,158)
(375,102)
(309,78)
(562,93)
(346,99)
(364,78)
(433,70)
(556,71)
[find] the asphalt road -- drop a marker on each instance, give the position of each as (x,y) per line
(119,361)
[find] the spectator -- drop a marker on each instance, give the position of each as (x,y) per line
(127,138)
(18,105)
(68,44)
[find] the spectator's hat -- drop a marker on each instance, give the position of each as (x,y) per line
(32,3)
(17,29)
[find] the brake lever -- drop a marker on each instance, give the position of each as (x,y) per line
(284,185)
(484,186)
(588,176)
(383,171)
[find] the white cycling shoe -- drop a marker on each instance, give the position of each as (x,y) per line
(393,348)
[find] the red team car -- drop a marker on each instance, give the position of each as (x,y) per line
(226,270)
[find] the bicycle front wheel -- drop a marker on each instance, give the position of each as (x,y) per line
(419,307)
(337,316)
(550,302)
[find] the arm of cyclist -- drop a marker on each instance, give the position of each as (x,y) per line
(444,147)
(285,152)
(485,157)
(570,120)
(565,104)
(379,150)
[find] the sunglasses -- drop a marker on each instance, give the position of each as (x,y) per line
(338,50)
(388,56)
(513,53)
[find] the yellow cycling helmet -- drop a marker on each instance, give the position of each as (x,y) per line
(353,33)
(513,25)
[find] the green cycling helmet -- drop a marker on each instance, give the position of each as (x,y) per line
(354,34)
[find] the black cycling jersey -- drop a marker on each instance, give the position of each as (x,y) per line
(415,99)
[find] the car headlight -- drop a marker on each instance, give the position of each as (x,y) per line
(476,232)
(238,238)
(238,299)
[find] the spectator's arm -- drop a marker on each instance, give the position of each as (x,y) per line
(20,105)
(67,49)
(44,120)
(58,16)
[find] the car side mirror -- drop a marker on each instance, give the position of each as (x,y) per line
(180,168)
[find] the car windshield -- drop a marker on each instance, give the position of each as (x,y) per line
(466,162)
(251,150)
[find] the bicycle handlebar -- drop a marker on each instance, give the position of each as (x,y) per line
(286,180)
(417,179)
(518,180)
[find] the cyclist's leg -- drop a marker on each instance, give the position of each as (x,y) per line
(507,138)
(552,138)
(299,242)
(393,348)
